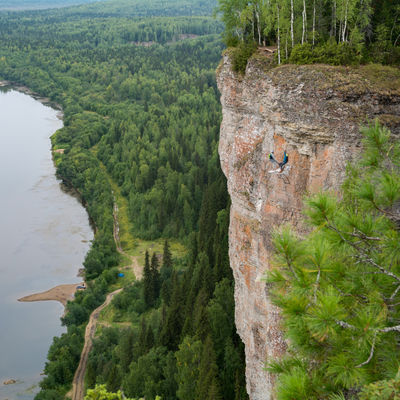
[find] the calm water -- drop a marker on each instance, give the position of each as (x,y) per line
(44,235)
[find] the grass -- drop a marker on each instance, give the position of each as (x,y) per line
(133,247)
(156,246)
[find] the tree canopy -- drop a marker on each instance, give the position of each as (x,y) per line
(306,31)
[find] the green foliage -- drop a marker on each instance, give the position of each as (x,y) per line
(141,116)
(338,287)
(100,393)
(187,347)
(188,362)
(325,53)
(381,390)
(240,56)
(338,32)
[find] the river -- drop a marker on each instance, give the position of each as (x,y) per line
(44,236)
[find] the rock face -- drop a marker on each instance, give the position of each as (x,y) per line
(314,113)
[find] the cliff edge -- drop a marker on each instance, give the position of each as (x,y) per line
(314,113)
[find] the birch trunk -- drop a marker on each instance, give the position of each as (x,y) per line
(313,26)
(345,22)
(292,22)
(258,27)
(279,39)
(303,36)
(334,19)
(286,46)
(252,25)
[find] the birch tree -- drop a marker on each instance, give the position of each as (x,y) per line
(304,15)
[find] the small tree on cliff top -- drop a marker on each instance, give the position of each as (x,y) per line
(339,287)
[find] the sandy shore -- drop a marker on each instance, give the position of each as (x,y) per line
(61,293)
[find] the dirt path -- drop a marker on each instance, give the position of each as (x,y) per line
(77,392)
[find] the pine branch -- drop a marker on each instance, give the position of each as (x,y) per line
(363,255)
(344,324)
(394,293)
(390,329)
(362,235)
(317,284)
(371,353)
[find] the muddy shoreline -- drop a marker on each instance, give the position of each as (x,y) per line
(8,85)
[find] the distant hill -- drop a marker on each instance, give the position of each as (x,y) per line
(118,8)
(38,4)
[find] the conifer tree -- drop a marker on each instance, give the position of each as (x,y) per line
(148,288)
(155,277)
(188,361)
(167,256)
(339,287)
(171,330)
(208,383)
(165,273)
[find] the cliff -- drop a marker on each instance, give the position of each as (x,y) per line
(314,113)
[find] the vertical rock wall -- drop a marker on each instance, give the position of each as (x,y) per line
(314,113)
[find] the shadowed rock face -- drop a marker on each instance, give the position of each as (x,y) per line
(314,113)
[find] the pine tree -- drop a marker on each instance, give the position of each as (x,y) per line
(171,330)
(155,276)
(188,361)
(148,287)
(167,257)
(339,287)
(208,373)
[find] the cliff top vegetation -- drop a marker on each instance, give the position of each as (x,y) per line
(337,32)
(346,79)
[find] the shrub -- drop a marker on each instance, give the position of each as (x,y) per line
(241,54)
(382,390)
(326,53)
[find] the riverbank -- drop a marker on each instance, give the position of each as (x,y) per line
(46,237)
(24,89)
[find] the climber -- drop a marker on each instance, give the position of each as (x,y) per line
(281,165)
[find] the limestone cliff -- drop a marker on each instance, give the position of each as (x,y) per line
(314,113)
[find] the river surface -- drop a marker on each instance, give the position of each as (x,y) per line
(44,236)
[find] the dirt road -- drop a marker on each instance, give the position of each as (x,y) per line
(79,377)
(77,391)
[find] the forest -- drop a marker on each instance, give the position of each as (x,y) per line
(141,119)
(314,31)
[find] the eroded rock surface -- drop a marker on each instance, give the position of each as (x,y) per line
(314,113)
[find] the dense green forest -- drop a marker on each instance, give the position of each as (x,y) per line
(141,114)
(305,31)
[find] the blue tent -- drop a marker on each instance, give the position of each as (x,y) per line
(120,274)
